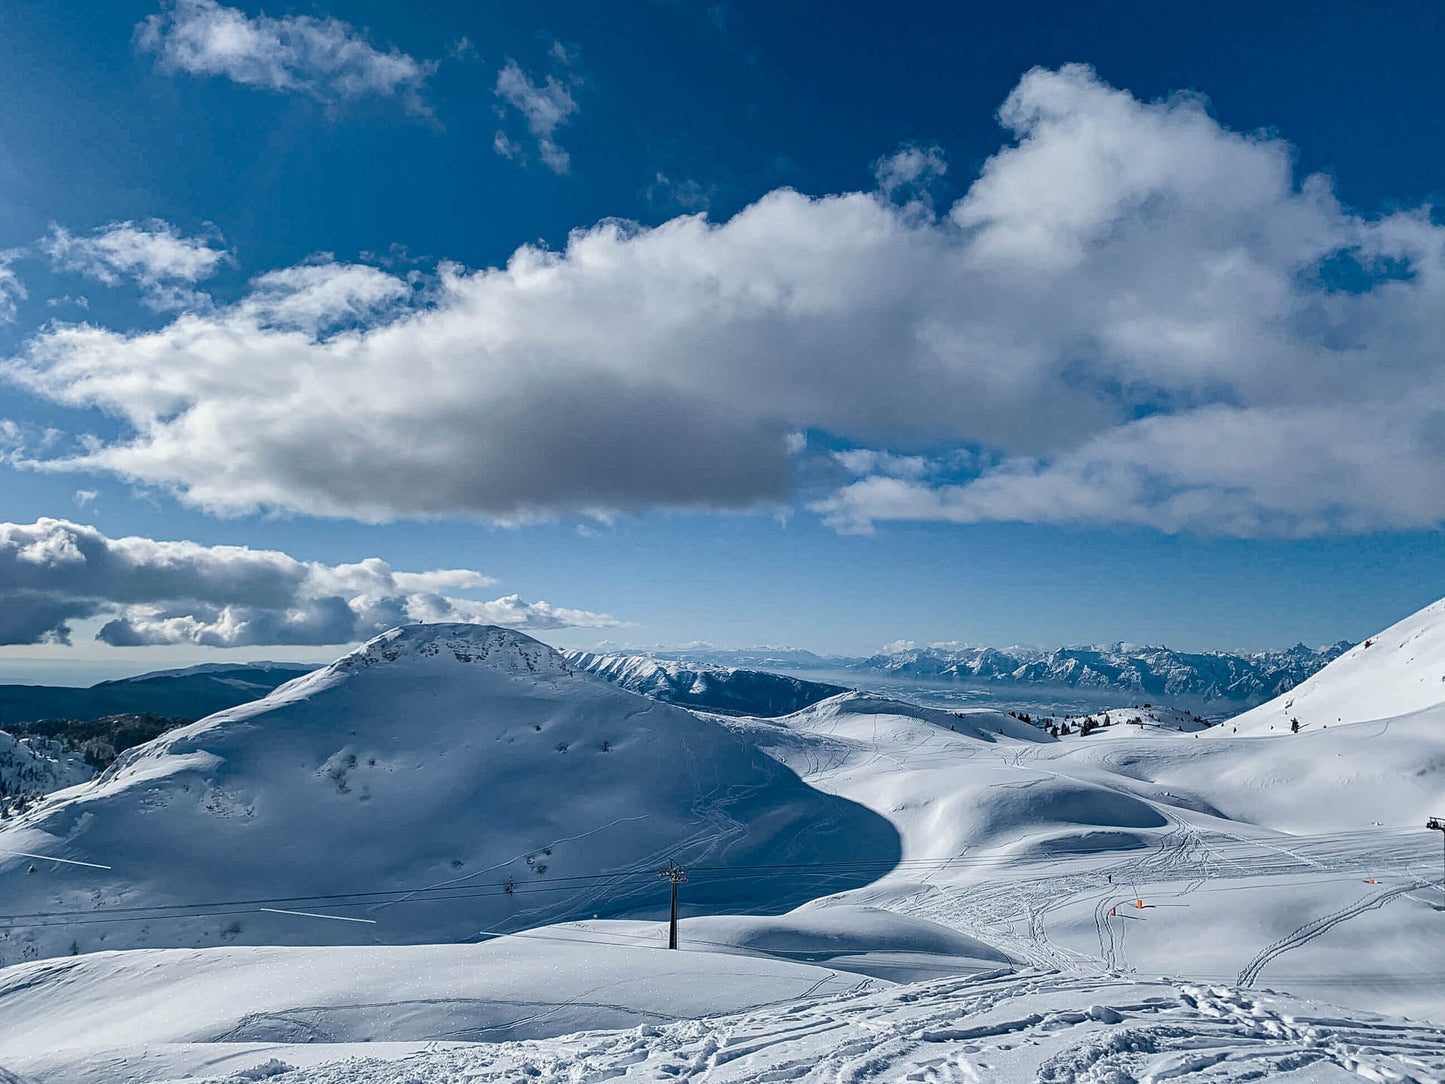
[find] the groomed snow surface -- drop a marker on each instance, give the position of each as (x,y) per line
(876,891)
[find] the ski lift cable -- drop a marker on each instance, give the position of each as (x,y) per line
(52,858)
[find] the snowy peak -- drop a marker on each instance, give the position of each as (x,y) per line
(491,647)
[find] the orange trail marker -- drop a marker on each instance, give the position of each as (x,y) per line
(1139,904)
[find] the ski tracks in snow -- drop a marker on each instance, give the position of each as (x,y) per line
(1036,1026)
(1316,927)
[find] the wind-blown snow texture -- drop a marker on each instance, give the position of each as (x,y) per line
(730,690)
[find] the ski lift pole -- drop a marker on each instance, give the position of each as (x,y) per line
(1438,824)
(677,875)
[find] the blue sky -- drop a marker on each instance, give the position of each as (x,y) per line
(1044,325)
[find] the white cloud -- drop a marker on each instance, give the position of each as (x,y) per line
(1293,471)
(1134,314)
(82,497)
(871,461)
(910,171)
(11,289)
(53,572)
(155,255)
(503,145)
(313,297)
(323,57)
(545,106)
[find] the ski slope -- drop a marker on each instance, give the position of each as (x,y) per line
(1011,1029)
(1301,860)
(1398,672)
(579,1004)
(116,1017)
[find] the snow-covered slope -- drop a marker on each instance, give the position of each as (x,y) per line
(1128,721)
(1012,1029)
(1297,860)
(441,781)
(112,1001)
(396,1016)
(1398,672)
(1047,1028)
(867,941)
(950,783)
(713,688)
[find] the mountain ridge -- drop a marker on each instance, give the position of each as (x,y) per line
(730,690)
(192,693)
(1241,679)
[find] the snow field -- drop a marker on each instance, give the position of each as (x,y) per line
(75,1012)
(1039,1026)
(1254,859)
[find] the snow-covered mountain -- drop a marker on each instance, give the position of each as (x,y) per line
(441,781)
(1398,672)
(786,659)
(1125,668)
(726,689)
(1132,671)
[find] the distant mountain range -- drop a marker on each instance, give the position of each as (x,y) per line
(1131,670)
(730,690)
(1135,670)
(186,694)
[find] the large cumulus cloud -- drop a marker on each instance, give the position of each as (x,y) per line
(53,572)
(1133,314)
